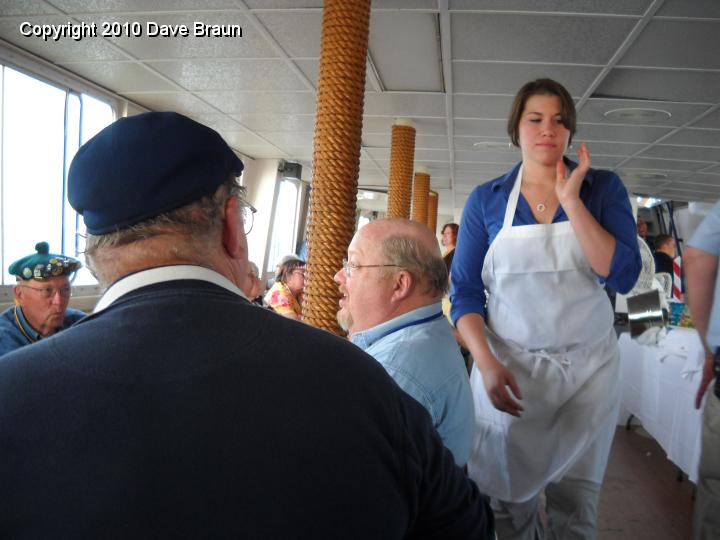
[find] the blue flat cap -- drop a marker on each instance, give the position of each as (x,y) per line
(144,165)
(43,264)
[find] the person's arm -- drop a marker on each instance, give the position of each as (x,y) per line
(497,379)
(700,276)
(597,244)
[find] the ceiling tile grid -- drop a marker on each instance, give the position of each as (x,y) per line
(647,83)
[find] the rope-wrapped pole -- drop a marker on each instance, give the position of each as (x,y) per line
(402,155)
(432,211)
(421,190)
(336,157)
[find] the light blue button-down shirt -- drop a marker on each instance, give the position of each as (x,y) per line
(707,238)
(419,351)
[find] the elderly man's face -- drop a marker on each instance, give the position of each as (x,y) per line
(366,293)
(44,302)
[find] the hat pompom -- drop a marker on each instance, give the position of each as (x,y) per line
(43,248)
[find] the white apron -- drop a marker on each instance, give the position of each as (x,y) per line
(551,324)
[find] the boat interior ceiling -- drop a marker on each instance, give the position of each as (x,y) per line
(645,75)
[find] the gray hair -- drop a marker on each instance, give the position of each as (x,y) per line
(410,253)
(195,222)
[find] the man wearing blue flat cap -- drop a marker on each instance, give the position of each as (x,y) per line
(175,410)
(41,296)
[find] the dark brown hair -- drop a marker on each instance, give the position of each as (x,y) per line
(542,87)
(661,240)
(454,226)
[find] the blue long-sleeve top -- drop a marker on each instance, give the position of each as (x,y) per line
(602,192)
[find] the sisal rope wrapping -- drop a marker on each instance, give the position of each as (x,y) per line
(421,192)
(336,156)
(402,155)
(432,211)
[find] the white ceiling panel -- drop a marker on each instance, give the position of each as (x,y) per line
(665,164)
(183,103)
(712,121)
(619,133)
(235,102)
(296,32)
(659,46)
(695,137)
(476,156)
(110,6)
(405,104)
(27,8)
(475,128)
(241,139)
(426,126)
(236,74)
(610,148)
(662,85)
(259,90)
(518,38)
(285,138)
(694,153)
(607,7)
(481,106)
(695,8)
(122,76)
(278,122)
(625,111)
(507,78)
(391,36)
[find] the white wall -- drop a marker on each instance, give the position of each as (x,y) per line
(259,177)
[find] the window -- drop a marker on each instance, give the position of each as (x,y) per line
(284,222)
(42,127)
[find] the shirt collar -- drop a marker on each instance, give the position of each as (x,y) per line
(161,274)
(367,338)
(25,325)
(507,181)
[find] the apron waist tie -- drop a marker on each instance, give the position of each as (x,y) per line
(559,360)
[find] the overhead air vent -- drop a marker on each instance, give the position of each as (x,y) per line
(636,114)
(646,175)
(289,169)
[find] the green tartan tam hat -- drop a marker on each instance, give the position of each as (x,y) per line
(43,265)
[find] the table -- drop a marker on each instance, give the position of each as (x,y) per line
(659,383)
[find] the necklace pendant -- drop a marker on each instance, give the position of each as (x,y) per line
(540,207)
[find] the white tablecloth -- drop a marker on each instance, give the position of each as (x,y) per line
(659,384)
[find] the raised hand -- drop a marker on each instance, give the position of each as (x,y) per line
(568,189)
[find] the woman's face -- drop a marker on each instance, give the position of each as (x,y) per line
(295,281)
(542,136)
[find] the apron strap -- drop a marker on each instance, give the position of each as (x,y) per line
(559,360)
(513,200)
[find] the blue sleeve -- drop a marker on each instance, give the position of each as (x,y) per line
(707,235)
(617,219)
(467,292)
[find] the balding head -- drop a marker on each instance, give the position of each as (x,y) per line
(395,267)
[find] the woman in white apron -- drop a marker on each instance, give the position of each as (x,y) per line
(527,298)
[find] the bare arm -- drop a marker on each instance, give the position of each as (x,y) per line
(496,377)
(700,276)
(597,244)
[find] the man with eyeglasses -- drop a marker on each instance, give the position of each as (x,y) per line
(41,297)
(392,285)
(179,410)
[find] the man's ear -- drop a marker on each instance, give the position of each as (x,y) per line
(17,293)
(233,229)
(403,286)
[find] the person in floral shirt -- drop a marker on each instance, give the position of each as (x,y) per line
(285,296)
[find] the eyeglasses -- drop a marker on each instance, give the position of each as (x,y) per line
(349,268)
(248,215)
(49,292)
